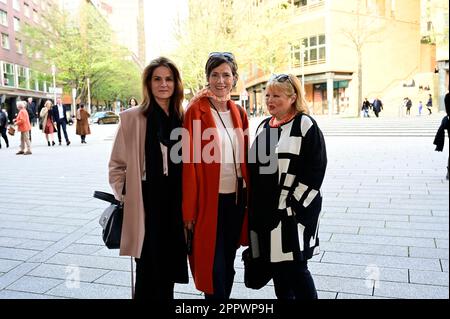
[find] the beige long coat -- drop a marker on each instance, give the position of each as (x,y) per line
(44,116)
(127,163)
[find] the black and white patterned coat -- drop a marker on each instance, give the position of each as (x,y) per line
(285,205)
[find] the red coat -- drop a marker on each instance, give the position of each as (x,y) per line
(23,121)
(201,190)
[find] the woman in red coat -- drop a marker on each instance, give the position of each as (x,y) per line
(214,178)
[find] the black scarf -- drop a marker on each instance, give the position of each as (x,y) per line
(159,127)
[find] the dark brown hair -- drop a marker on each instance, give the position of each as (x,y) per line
(178,94)
(216,58)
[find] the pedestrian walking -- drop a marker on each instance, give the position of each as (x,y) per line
(377,106)
(82,127)
(439,139)
(420,107)
(213,184)
(32,113)
(140,168)
(3,125)
(365,107)
(46,117)
(60,117)
(408,105)
(285,204)
(23,126)
(429,104)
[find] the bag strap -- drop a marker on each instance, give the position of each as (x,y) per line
(107,197)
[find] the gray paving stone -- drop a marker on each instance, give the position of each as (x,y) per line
(429,219)
(16,273)
(411,291)
(91,240)
(384,240)
(65,271)
(34,284)
(437,212)
(343,295)
(339,229)
(242,292)
(10,294)
(6,264)
(58,221)
(28,234)
(119,278)
(16,218)
(404,232)
(417,226)
(382,261)
(36,244)
(188,288)
(391,211)
(438,253)
(371,217)
(409,205)
(178,295)
(356,271)
(11,242)
(350,222)
(388,250)
(326,294)
(16,254)
(441,243)
(435,278)
(444,263)
(81,249)
(91,291)
(343,284)
(118,263)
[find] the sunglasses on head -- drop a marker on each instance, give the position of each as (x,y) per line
(228,55)
(283,78)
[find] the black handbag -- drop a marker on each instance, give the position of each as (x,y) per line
(111,220)
(257,271)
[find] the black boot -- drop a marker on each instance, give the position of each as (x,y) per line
(48,142)
(53,143)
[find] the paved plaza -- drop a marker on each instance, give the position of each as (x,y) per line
(384,230)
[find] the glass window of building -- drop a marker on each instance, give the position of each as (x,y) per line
(8,74)
(3,18)
(34,81)
(19,46)
(5,41)
(16,24)
(27,10)
(22,77)
(16,5)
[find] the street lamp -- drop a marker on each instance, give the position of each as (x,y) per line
(54,83)
(89,95)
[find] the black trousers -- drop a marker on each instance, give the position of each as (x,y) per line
(62,124)
(3,134)
(229,225)
(292,280)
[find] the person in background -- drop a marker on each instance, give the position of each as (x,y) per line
(285,205)
(48,128)
(365,107)
(23,126)
(408,105)
(60,117)
(142,172)
(132,102)
(82,127)
(377,106)
(3,125)
(213,186)
(439,139)
(420,107)
(429,104)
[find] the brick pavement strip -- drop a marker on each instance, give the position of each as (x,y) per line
(385,210)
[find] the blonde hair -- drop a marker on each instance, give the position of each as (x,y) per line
(48,102)
(290,85)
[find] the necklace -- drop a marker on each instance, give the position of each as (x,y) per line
(282,121)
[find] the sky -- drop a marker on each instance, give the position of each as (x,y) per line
(160,17)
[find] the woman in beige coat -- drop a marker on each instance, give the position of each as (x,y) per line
(48,127)
(152,229)
(83,123)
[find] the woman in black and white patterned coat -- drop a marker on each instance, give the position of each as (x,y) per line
(287,166)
